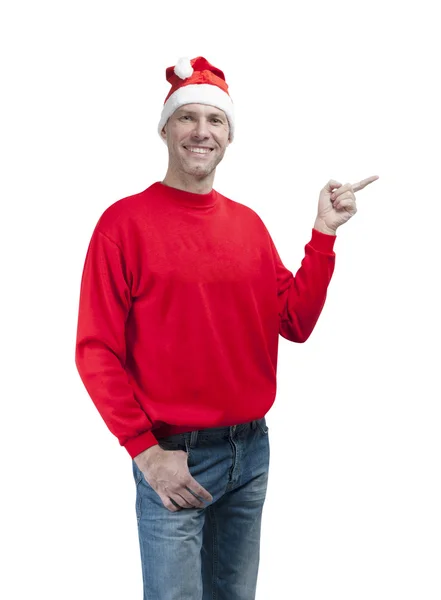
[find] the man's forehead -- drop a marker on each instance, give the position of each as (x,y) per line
(198,108)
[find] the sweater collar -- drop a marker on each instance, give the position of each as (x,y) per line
(188,198)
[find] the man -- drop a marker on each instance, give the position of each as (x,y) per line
(183,297)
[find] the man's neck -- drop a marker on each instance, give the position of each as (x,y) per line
(189,184)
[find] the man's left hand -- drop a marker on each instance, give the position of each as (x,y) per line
(337,204)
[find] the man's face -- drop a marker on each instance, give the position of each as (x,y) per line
(197,137)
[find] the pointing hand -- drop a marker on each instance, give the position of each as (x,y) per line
(337,204)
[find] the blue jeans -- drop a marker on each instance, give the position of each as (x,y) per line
(209,553)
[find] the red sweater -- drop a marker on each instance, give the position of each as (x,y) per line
(183,297)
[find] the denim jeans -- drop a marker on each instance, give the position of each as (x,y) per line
(209,553)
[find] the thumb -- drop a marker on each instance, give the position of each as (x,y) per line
(332,185)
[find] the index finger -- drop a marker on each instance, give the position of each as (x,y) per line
(199,492)
(363,183)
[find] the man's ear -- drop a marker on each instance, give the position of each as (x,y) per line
(164,133)
(229,134)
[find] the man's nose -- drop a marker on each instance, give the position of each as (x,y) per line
(201,128)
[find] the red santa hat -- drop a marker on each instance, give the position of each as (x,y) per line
(196,81)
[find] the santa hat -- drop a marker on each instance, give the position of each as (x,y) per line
(196,81)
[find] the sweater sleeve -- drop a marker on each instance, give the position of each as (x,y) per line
(100,352)
(302,297)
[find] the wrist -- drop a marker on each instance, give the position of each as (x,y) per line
(147,456)
(319,225)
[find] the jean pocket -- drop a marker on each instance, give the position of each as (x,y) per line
(137,473)
(188,450)
(261,423)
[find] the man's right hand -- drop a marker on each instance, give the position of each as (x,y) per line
(166,471)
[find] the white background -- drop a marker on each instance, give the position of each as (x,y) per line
(339,90)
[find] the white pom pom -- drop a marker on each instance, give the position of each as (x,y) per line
(183,68)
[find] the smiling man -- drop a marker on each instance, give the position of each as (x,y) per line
(183,298)
(197,137)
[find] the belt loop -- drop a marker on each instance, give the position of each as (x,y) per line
(193,438)
(253,424)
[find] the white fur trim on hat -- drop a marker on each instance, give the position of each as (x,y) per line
(202,93)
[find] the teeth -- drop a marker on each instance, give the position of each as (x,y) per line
(200,150)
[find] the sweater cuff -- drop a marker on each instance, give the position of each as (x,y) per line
(137,445)
(322,242)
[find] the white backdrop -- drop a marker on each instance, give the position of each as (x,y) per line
(339,90)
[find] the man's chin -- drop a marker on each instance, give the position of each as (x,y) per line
(200,171)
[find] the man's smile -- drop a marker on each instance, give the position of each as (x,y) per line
(198,149)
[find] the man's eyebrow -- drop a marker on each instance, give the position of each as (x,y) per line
(193,113)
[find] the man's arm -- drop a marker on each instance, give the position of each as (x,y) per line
(100,353)
(100,356)
(301,297)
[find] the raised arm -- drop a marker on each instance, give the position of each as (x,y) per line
(301,297)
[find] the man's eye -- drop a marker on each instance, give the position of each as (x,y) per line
(185,117)
(216,121)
